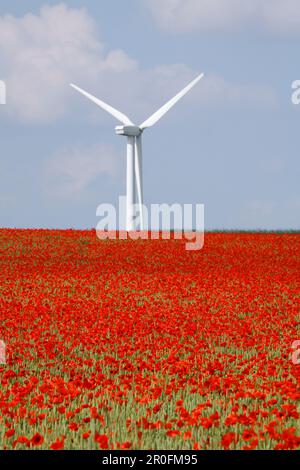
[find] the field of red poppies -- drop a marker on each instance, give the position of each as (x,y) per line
(144,345)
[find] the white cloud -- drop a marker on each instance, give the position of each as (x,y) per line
(277,16)
(43,53)
(70,172)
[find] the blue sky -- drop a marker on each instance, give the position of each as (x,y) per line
(231,144)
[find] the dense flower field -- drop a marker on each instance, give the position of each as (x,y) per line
(144,345)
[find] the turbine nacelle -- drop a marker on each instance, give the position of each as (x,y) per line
(129,131)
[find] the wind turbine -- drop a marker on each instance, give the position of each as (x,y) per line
(134,148)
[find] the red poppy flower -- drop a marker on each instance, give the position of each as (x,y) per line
(102,440)
(73,426)
(58,444)
(10,433)
(37,439)
(173,433)
(126,445)
(21,440)
(228,439)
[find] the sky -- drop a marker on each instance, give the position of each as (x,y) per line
(230,144)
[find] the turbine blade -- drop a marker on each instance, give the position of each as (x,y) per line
(166,107)
(138,177)
(114,112)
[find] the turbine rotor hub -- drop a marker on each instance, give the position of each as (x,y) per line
(128,131)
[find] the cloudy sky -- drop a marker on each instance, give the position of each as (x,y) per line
(232,143)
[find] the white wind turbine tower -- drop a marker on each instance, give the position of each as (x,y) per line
(134,149)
